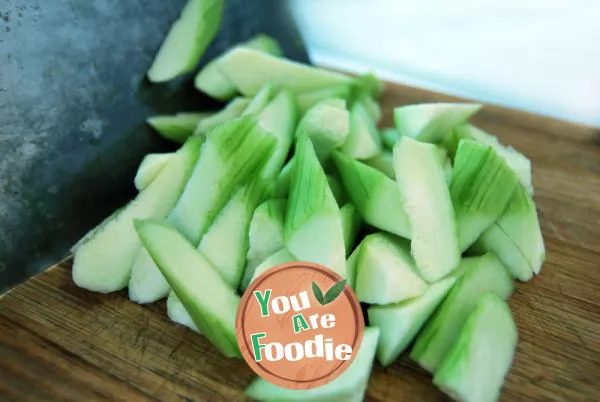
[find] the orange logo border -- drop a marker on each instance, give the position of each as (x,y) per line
(279,379)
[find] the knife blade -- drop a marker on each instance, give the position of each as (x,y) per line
(73,104)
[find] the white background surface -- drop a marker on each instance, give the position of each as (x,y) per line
(541,56)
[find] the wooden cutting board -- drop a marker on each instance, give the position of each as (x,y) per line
(58,342)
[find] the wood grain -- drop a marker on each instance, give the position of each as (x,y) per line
(58,342)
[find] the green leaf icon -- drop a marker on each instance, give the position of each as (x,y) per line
(318,294)
(334,292)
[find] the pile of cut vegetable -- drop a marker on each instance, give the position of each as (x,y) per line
(429,221)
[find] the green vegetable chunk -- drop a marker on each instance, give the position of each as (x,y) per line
(399,323)
(212,304)
(151,166)
(214,83)
(475,366)
(282,183)
(234,153)
(488,275)
(517,161)
(516,237)
(307,100)
(389,137)
(249,70)
(352,267)
(375,196)
(313,224)
(370,84)
(177,312)
(233,109)
(446,164)
(386,272)
(384,162)
(432,122)
(226,243)
(351,223)
(337,190)
(187,40)
(372,107)
(282,256)
(178,127)
(482,184)
(327,125)
(278,118)
(265,236)
(363,141)
(103,260)
(427,203)
(260,100)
